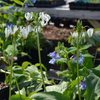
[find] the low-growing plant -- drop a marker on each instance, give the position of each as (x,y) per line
(79,62)
(80,81)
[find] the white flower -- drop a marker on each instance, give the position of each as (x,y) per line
(44,18)
(90,32)
(21,30)
(20,27)
(24,32)
(83,34)
(29,28)
(12,31)
(47,17)
(35,29)
(74,34)
(43,23)
(28,16)
(41,15)
(7,32)
(15,29)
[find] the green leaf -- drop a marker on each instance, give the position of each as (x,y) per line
(56,88)
(83,71)
(93,42)
(30,2)
(18,97)
(35,87)
(96,39)
(22,92)
(8,42)
(88,55)
(65,73)
(18,2)
(3,8)
(31,69)
(35,75)
(61,60)
(96,70)
(25,64)
(12,18)
(49,96)
(18,70)
(3,3)
(23,83)
(97,29)
(2,35)
(1,41)
(72,67)
(88,60)
(21,10)
(70,38)
(38,65)
(69,91)
(92,87)
(9,50)
(71,49)
(85,46)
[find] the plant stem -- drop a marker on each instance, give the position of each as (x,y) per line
(62,67)
(39,55)
(5,76)
(95,56)
(11,71)
(17,84)
(78,67)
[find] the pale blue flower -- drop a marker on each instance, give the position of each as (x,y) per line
(57,56)
(52,61)
(52,54)
(10,7)
(80,60)
(54,57)
(82,85)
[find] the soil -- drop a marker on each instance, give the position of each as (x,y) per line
(56,34)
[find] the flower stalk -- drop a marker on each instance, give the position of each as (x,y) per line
(11,71)
(79,28)
(78,67)
(39,55)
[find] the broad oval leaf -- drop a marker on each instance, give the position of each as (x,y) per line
(49,96)
(92,87)
(25,64)
(19,97)
(9,50)
(85,46)
(96,70)
(69,90)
